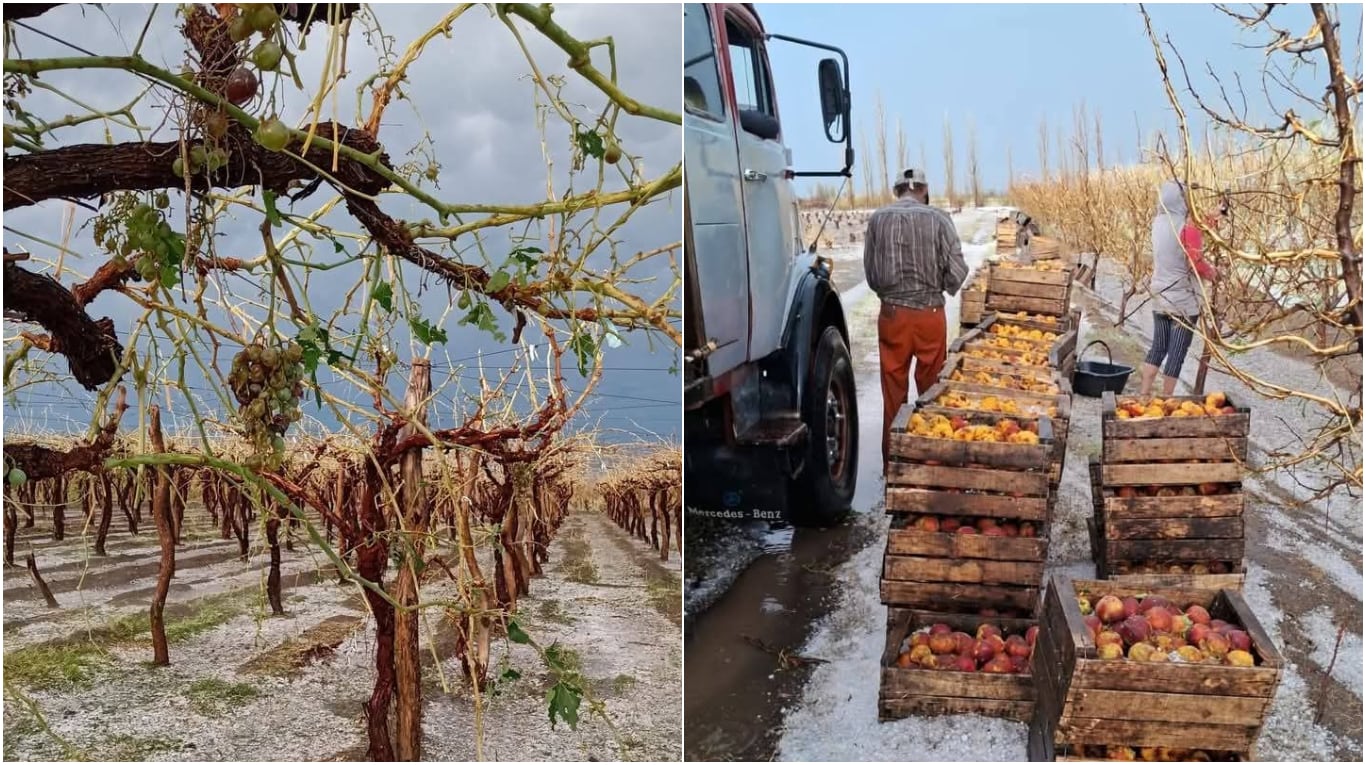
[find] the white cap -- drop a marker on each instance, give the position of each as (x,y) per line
(911,177)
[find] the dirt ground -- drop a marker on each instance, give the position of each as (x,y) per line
(243,685)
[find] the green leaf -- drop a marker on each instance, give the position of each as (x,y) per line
(590,143)
(272,212)
(516,634)
(526,257)
(425,332)
(497,282)
(563,702)
(584,348)
(383,293)
(511,674)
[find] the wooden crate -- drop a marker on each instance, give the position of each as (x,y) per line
(1055,351)
(966,368)
(1083,700)
(1040,750)
(1041,321)
(972,307)
(962,573)
(1059,418)
(1044,248)
(965,479)
(1220,438)
(1129,533)
(1036,290)
(1006,231)
(904,692)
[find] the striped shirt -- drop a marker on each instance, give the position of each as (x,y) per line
(912,256)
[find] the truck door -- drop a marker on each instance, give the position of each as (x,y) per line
(715,207)
(770,207)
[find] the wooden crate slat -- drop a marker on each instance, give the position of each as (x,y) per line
(898,683)
(1152,581)
(1221,426)
(915,500)
(1119,450)
(1197,550)
(954,453)
(1174,528)
(930,596)
(1182,708)
(892,709)
(1012,273)
(909,568)
(1214,506)
(1025,484)
(1140,733)
(1001,302)
(1158,677)
(1001,286)
(911,541)
(1147,474)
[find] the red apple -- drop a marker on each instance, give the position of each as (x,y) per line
(1134,629)
(1197,633)
(1019,664)
(1031,635)
(958,423)
(1159,619)
(963,642)
(966,530)
(940,628)
(1130,606)
(920,638)
(1107,637)
(1016,646)
(1110,609)
(942,643)
(965,664)
(985,523)
(982,651)
(1218,625)
(1198,614)
(1215,645)
(927,523)
(1028,531)
(994,531)
(984,630)
(950,524)
(1000,665)
(1239,640)
(1153,601)
(945,661)
(1092,623)
(998,646)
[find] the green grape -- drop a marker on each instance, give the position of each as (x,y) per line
(17,477)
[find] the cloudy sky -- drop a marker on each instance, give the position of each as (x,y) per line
(470,95)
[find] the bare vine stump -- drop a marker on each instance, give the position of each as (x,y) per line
(161,512)
(32,564)
(416,516)
(106,513)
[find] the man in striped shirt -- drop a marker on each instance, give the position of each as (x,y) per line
(911,257)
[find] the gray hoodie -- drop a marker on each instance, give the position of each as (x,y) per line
(1175,286)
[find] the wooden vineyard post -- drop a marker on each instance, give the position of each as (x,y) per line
(414,513)
(161,512)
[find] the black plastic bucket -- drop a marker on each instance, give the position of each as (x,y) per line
(1093,378)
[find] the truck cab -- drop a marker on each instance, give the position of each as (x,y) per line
(770,407)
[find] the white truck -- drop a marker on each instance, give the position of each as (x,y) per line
(771,420)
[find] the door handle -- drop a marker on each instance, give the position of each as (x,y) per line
(756,176)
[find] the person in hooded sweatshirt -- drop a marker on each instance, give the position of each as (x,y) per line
(1178,267)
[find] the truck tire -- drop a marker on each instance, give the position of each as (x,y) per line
(825,487)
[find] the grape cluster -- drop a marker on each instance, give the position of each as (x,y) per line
(136,231)
(268,383)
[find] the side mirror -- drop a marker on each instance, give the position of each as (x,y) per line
(834,99)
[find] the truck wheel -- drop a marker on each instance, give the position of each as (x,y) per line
(825,487)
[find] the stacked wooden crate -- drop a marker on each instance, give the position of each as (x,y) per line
(974,298)
(1005,235)
(1167,491)
(966,548)
(1043,288)
(1088,699)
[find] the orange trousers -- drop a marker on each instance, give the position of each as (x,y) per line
(903,335)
